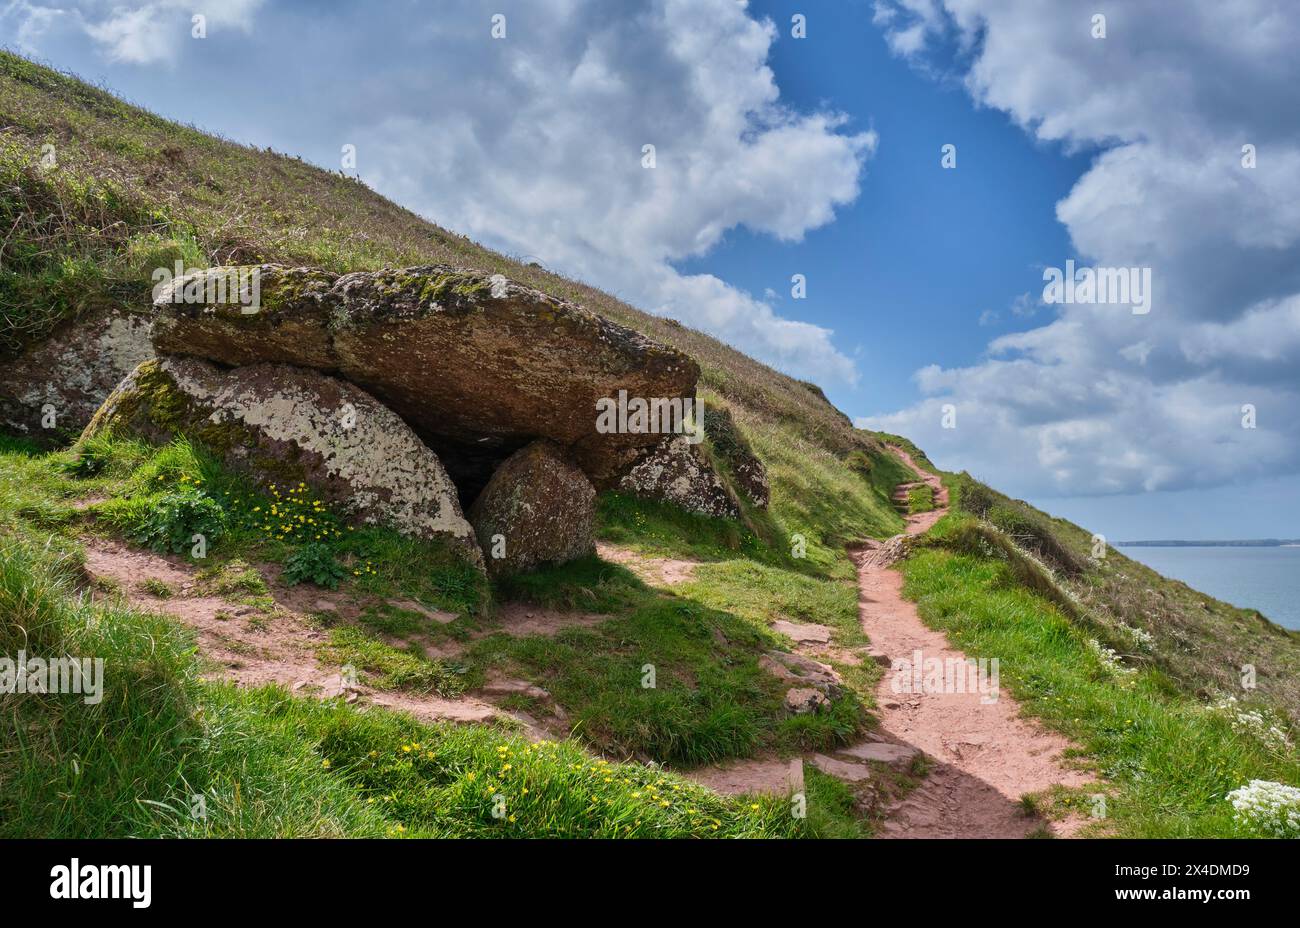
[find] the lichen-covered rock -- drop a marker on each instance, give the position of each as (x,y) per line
(282,424)
(678,472)
(538,508)
(804,700)
(51,390)
(803,671)
(747,472)
(478,365)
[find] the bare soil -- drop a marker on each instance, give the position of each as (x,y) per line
(654,571)
(986,756)
(254,645)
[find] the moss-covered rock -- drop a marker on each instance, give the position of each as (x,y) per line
(736,456)
(464,357)
(285,425)
(538,508)
(286,317)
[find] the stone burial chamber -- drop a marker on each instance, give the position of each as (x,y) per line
(477,365)
(419,396)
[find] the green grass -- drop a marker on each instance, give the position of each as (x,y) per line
(63,764)
(160,588)
(919,457)
(587,584)
(762,593)
(817,495)
(394,622)
(115,233)
(133,192)
(832,807)
(161,496)
(1005,580)
(1140,731)
(663,529)
(920,499)
(234,579)
(161,747)
(386,667)
(710,700)
(1199,642)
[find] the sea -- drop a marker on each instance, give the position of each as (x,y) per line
(1267,579)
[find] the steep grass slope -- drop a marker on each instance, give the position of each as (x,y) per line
(1176,699)
(131,192)
(128,192)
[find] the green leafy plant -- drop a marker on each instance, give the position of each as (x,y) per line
(89,460)
(315,563)
(172,520)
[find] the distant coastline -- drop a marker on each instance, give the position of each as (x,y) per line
(1246,543)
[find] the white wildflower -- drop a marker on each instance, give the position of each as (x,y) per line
(1260,724)
(1140,637)
(1109,658)
(1270,808)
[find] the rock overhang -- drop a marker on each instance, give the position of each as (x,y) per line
(476,364)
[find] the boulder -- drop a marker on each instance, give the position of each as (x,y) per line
(803,671)
(477,365)
(51,390)
(804,700)
(538,508)
(678,472)
(285,425)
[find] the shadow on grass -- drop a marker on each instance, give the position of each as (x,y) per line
(665,678)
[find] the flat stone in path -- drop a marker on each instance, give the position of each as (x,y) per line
(770,777)
(803,633)
(842,769)
(885,752)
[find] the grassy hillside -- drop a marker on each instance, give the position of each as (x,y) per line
(1142,672)
(130,192)
(1122,660)
(133,192)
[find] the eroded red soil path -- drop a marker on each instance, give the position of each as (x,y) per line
(280,641)
(986,757)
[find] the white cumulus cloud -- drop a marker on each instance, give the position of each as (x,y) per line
(549,162)
(1099,400)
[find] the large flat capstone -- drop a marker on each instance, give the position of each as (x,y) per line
(477,365)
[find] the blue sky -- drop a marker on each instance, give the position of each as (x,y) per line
(904,274)
(821,156)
